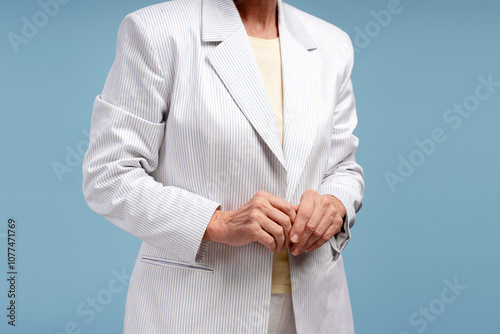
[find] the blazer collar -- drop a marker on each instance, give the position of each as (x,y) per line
(220,18)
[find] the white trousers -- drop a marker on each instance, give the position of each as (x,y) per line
(281,317)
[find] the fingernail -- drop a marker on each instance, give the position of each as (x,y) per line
(295,251)
(295,238)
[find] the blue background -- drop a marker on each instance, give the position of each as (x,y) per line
(437,225)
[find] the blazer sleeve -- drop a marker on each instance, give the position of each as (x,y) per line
(127,130)
(344,178)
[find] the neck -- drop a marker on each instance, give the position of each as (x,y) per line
(259,17)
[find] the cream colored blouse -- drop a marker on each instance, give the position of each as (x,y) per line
(268,55)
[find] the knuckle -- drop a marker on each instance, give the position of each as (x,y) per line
(260,193)
(310,226)
(318,232)
(271,243)
(310,191)
(258,204)
(301,243)
(254,214)
(253,236)
(279,229)
(325,238)
(305,214)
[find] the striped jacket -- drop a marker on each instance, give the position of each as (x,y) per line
(184,126)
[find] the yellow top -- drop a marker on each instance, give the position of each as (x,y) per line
(268,55)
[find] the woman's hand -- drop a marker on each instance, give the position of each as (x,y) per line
(319,218)
(265,218)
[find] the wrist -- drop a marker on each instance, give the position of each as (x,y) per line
(340,206)
(211,231)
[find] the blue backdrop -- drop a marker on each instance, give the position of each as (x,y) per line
(424,256)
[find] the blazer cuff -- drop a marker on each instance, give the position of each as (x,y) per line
(204,244)
(339,241)
(192,248)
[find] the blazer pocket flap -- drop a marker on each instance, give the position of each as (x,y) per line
(176,264)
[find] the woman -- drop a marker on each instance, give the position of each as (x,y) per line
(223,140)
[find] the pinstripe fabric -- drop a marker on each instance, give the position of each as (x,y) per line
(184,126)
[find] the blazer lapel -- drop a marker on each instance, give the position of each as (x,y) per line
(235,63)
(301,94)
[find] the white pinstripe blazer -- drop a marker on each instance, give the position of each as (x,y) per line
(184,126)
